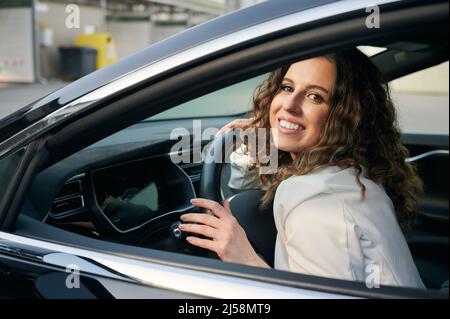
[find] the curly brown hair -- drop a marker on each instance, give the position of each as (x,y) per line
(361,131)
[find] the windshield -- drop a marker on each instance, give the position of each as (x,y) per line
(232,100)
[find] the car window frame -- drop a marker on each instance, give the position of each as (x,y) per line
(11,167)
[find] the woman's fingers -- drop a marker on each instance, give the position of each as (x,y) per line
(202,243)
(226,205)
(228,240)
(204,219)
(211,205)
(239,123)
(199,229)
(225,128)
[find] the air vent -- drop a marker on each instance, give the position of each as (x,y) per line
(70,189)
(67,206)
(69,200)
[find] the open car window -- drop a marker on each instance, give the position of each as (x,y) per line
(132,191)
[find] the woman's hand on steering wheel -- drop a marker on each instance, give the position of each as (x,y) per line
(224,235)
(239,123)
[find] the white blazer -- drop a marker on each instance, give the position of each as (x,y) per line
(324,229)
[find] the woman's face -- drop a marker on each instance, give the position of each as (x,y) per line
(300,109)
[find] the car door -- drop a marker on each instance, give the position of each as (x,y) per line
(156,87)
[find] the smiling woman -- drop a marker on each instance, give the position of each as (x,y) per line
(301,108)
(343,189)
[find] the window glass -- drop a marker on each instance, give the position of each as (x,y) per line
(422,101)
(232,100)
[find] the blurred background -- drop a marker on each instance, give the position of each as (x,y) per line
(47,43)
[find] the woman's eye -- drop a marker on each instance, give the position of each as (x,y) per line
(286,88)
(316,98)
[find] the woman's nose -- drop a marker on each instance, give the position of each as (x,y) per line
(293,104)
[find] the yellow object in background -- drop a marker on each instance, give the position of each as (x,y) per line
(103,42)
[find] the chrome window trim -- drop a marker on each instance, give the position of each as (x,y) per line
(426,155)
(76,177)
(169,277)
(178,59)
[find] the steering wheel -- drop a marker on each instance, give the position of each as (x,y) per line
(213,162)
(209,189)
(257,222)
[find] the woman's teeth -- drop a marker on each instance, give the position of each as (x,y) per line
(291,126)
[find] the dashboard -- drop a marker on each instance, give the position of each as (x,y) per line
(125,196)
(123,189)
(131,194)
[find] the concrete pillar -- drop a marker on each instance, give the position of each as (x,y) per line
(232,5)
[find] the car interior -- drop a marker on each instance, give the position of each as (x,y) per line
(125,189)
